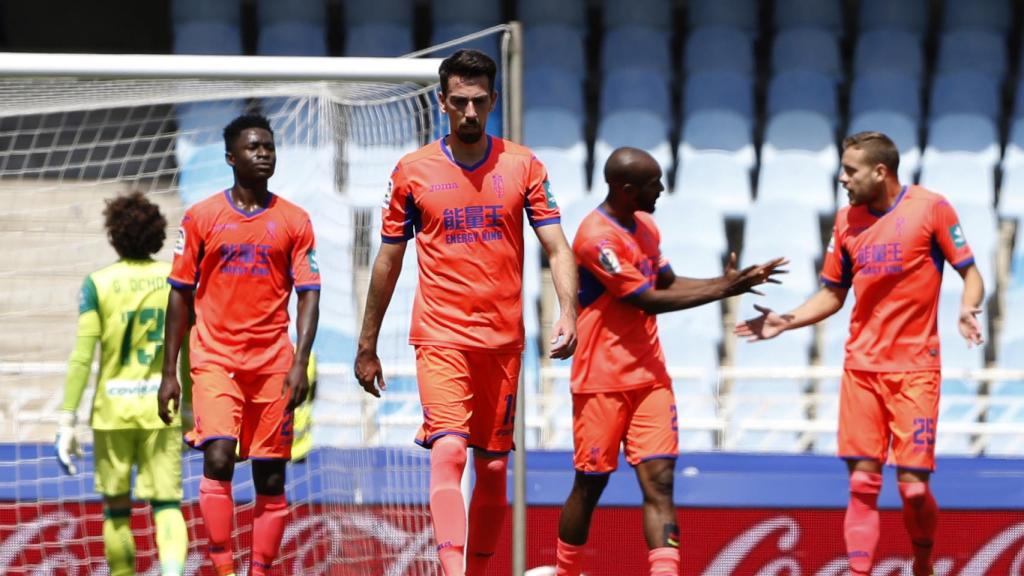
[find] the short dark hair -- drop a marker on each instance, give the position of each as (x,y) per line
(234,128)
(467,63)
(878,149)
(135,226)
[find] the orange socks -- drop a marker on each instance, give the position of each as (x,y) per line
(862,524)
(447,509)
(218,508)
(269,519)
(486,512)
(664,561)
(569,559)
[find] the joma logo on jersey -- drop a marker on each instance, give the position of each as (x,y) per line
(444,186)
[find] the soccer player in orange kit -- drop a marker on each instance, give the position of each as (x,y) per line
(889,246)
(242,251)
(464,197)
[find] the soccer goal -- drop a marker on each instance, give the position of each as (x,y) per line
(78,129)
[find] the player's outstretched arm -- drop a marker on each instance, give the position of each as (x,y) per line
(970,306)
(179,306)
(824,303)
(565,278)
(386,268)
(79,367)
(306,319)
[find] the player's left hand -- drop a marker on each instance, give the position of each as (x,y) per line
(563,337)
(296,383)
(66,443)
(970,327)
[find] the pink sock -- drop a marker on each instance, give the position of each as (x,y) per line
(664,561)
(861,526)
(218,509)
(486,513)
(447,509)
(920,516)
(569,559)
(269,519)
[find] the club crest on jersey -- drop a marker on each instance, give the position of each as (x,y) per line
(957,234)
(498,185)
(609,261)
(831,244)
(179,244)
(387,194)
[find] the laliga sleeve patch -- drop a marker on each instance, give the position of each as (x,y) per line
(179,245)
(314,266)
(608,259)
(957,234)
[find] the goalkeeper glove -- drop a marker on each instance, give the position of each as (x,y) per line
(66,443)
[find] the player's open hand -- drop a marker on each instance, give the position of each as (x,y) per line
(742,281)
(970,327)
(766,326)
(369,373)
(168,395)
(563,337)
(296,385)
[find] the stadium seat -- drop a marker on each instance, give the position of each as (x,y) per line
(993,15)
(719,48)
(636,47)
(1006,397)
(555,128)
(824,14)
(226,12)
(718,131)
(701,323)
(803,90)
(547,87)
(566,173)
(962,179)
(904,133)
(815,49)
(691,224)
(908,15)
(573,213)
(716,177)
(740,14)
(807,133)
(292,38)
(270,12)
(972,50)
(637,128)
(655,14)
(968,135)
(888,91)
(1013,155)
(636,89)
(889,50)
(478,13)
(798,180)
(803,274)
(788,227)
(571,13)
(200,37)
(450,31)
(958,403)
(966,92)
(378,39)
(398,12)
(719,90)
(559,46)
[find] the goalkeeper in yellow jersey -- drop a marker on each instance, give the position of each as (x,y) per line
(122,306)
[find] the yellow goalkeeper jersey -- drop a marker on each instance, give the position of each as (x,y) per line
(123,306)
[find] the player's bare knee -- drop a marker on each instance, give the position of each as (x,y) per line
(589,487)
(450,449)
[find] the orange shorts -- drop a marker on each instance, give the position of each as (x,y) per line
(247,408)
(644,420)
(882,409)
(469,394)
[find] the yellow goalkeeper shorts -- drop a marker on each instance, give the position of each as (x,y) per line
(156,453)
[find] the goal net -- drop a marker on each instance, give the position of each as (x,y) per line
(66,145)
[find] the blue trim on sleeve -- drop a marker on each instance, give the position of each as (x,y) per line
(644,288)
(964,264)
(180,285)
(393,239)
(307,287)
(666,268)
(834,284)
(546,221)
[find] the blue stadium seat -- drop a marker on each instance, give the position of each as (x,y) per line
(720,131)
(646,13)
(1007,396)
(886,90)
(902,130)
(717,177)
(226,12)
(719,90)
(701,323)
(889,50)
(638,128)
(270,12)
(547,87)
(824,14)
(962,180)
(478,13)
(785,226)
(556,45)
(691,225)
(719,48)
(567,13)
(968,135)
(799,180)
(973,50)
(994,15)
(958,403)
(556,128)
(966,92)
(566,173)
(909,15)
(807,133)
(636,47)
(290,38)
(1013,155)
(981,227)
(814,49)
(803,90)
(201,37)
(636,89)
(378,12)
(378,39)
(740,14)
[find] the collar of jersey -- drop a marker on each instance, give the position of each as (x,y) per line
(899,198)
(616,222)
(227,196)
(448,153)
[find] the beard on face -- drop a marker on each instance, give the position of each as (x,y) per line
(470,133)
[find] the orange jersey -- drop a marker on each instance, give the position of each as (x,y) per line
(894,263)
(468,222)
(618,345)
(243,267)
